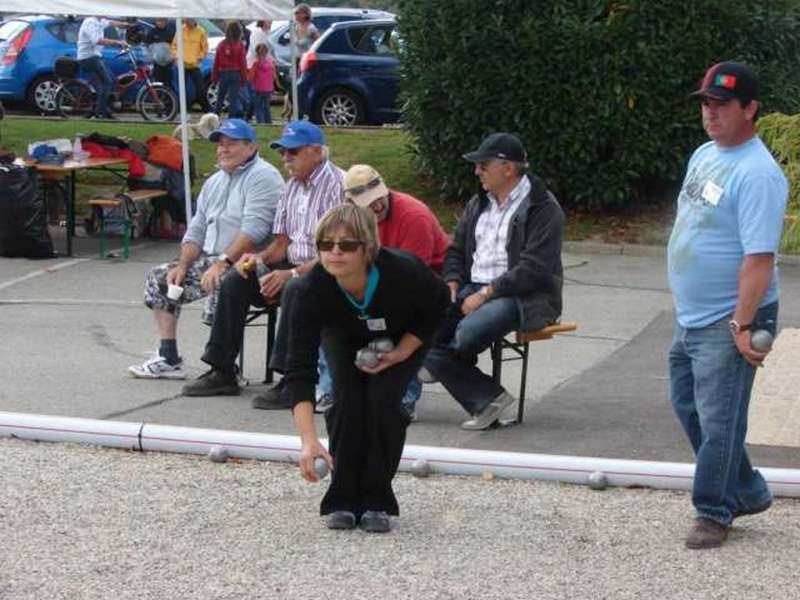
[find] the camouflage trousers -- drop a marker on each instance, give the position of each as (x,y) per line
(155,285)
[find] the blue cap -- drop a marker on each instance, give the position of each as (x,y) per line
(234,128)
(299,133)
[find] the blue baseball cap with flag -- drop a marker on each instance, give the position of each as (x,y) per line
(299,133)
(235,129)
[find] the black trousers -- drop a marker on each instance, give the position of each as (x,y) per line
(236,295)
(196,77)
(366,428)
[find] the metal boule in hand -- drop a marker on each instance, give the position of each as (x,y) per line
(761,340)
(321,467)
(383,344)
(367,358)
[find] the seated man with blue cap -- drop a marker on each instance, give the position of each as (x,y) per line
(315,186)
(235,213)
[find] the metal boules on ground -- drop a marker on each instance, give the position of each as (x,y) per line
(598,480)
(420,468)
(218,454)
(321,467)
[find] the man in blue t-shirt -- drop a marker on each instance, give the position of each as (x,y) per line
(724,281)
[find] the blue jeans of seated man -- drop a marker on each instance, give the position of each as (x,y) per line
(453,359)
(97,72)
(710,384)
(325,385)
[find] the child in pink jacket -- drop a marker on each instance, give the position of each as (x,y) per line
(262,76)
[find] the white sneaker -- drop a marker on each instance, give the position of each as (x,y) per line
(157,367)
(490,414)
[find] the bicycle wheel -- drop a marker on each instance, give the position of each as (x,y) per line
(157,103)
(74,99)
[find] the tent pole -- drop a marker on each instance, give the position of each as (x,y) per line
(187,181)
(293,46)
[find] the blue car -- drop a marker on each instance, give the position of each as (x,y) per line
(29,46)
(350,75)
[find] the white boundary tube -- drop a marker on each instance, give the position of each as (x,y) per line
(452,461)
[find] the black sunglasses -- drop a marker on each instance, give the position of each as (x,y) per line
(290,151)
(344,245)
(360,189)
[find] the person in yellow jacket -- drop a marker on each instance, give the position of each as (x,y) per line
(195,49)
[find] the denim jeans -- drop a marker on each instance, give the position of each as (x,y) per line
(229,84)
(262,101)
(96,70)
(710,384)
(453,358)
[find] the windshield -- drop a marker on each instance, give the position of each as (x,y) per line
(10,29)
(211,29)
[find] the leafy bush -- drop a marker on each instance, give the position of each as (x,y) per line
(596,89)
(782,134)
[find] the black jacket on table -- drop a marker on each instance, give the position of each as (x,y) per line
(535,275)
(410,298)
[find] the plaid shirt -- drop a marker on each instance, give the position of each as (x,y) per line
(490,259)
(302,206)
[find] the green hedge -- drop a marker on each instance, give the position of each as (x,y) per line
(782,134)
(597,90)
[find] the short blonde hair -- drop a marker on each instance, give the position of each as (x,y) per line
(359,222)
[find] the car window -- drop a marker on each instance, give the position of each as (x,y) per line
(211,28)
(65,31)
(112,33)
(10,29)
(377,40)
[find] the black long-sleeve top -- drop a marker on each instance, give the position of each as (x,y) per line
(410,298)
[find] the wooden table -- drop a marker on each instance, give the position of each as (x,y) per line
(69,170)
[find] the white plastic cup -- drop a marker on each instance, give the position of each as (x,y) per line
(174,292)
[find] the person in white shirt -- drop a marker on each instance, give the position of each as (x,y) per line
(91,38)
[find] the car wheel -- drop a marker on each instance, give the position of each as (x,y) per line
(212,92)
(340,108)
(42,94)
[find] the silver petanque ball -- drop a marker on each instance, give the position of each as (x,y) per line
(218,454)
(383,344)
(367,358)
(598,481)
(420,468)
(761,340)
(321,467)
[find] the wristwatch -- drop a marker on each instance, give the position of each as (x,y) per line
(295,273)
(226,258)
(736,328)
(484,291)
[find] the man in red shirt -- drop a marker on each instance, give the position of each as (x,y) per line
(403,221)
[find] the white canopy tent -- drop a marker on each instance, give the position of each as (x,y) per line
(171,9)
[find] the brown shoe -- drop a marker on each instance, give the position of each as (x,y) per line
(706,534)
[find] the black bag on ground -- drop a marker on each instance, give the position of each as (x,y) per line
(23,215)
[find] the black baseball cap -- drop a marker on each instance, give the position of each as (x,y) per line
(727,80)
(505,146)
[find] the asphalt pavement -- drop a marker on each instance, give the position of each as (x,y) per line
(72,326)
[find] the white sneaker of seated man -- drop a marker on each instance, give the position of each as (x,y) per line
(490,414)
(157,367)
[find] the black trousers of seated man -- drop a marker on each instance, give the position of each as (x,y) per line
(236,295)
(366,429)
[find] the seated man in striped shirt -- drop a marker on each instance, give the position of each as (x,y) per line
(315,186)
(504,273)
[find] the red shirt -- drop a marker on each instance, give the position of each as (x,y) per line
(230,56)
(412,226)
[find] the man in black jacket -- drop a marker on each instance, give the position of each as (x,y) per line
(504,273)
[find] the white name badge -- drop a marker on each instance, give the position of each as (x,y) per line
(712,192)
(376,324)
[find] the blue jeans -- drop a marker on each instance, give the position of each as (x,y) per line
(262,101)
(710,384)
(96,70)
(229,84)
(453,359)
(325,385)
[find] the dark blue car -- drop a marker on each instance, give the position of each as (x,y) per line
(29,46)
(350,75)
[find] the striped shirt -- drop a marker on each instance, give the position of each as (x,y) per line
(302,206)
(490,259)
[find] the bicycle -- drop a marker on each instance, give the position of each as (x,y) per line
(78,98)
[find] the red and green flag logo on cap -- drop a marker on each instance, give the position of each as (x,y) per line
(726,81)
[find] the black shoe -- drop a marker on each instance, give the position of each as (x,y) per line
(213,383)
(341,519)
(273,398)
(375,521)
